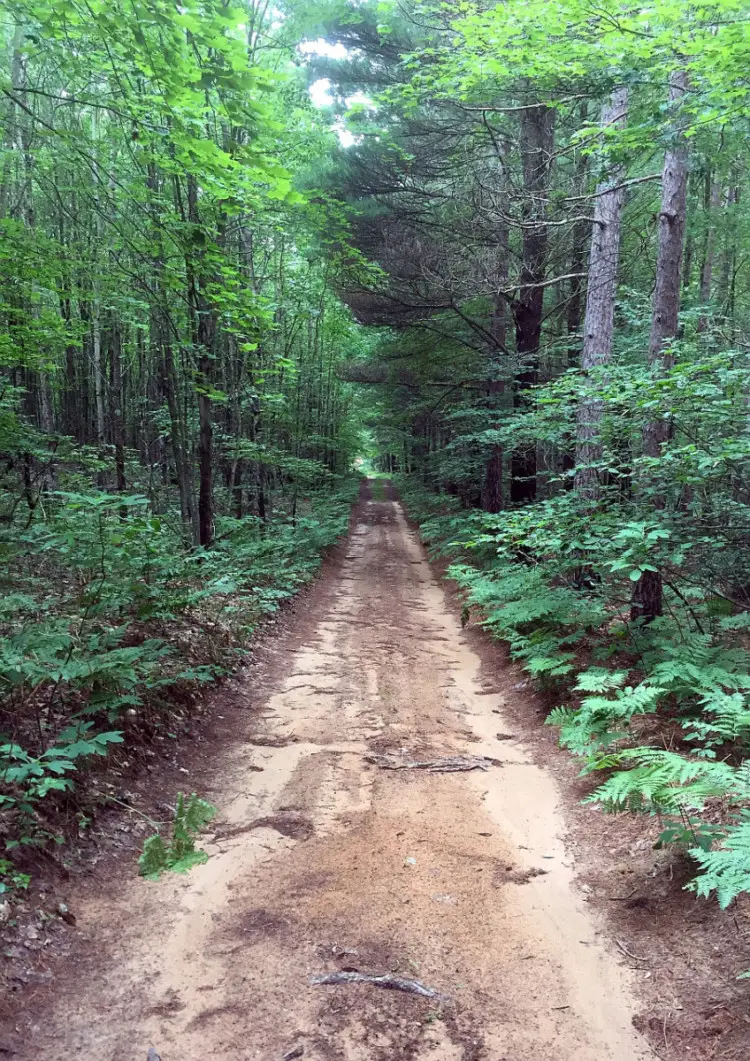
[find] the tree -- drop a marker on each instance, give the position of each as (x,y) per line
(647,596)
(598,329)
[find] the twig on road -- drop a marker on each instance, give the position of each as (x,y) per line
(386,980)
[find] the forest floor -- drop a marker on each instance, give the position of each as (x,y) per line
(325,860)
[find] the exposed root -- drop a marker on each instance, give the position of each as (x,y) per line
(386,980)
(447,765)
(294,825)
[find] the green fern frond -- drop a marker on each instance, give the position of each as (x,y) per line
(661,781)
(725,871)
(153,861)
(600,680)
(180,855)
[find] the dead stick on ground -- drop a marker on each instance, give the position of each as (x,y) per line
(622,898)
(448,764)
(386,980)
(629,953)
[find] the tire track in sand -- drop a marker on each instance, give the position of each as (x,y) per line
(460,880)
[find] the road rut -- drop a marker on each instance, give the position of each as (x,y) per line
(326,861)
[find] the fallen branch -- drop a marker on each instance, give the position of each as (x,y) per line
(629,953)
(386,980)
(448,764)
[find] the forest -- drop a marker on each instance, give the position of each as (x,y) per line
(497,252)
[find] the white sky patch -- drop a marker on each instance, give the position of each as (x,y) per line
(324,47)
(320,90)
(346,138)
(320,93)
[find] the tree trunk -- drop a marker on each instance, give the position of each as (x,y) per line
(203,328)
(96,307)
(179,454)
(118,430)
(598,332)
(713,193)
(579,238)
(96,351)
(205,449)
(11,132)
(537,131)
(647,596)
(492,486)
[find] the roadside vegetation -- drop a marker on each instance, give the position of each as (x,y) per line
(504,257)
(556,195)
(176,442)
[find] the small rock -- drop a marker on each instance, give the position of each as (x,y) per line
(62,910)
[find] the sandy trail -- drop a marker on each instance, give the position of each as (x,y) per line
(323,861)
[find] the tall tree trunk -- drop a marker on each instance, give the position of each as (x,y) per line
(598,330)
(96,307)
(647,597)
(182,465)
(537,132)
(118,430)
(579,239)
(711,204)
(729,252)
(11,131)
(203,324)
(492,486)
(96,353)
(205,445)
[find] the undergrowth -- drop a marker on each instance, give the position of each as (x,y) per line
(179,854)
(659,711)
(109,627)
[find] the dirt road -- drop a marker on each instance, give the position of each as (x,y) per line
(326,861)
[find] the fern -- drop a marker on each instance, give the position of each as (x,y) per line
(552,580)
(180,854)
(726,719)
(599,680)
(661,781)
(154,858)
(601,720)
(725,871)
